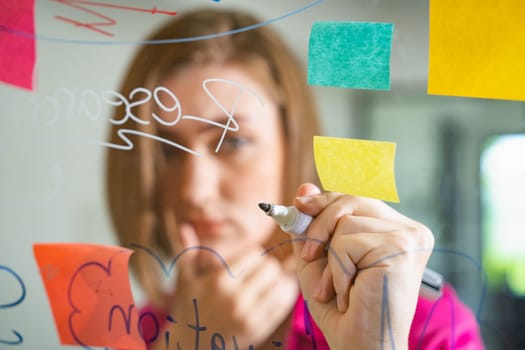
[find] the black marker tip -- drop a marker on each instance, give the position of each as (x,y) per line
(265,207)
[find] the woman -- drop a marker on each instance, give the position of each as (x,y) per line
(218,126)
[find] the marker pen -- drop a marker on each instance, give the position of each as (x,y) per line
(294,221)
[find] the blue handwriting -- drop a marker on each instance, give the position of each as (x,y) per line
(19,339)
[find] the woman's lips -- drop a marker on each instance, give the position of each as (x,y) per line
(209,227)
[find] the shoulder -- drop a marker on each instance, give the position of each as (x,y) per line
(444,323)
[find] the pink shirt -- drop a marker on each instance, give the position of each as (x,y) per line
(445,323)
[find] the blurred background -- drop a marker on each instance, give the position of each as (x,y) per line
(460,165)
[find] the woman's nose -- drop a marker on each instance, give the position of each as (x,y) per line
(199,179)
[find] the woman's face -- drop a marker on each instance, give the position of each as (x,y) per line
(229,119)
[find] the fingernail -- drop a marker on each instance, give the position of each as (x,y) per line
(304,199)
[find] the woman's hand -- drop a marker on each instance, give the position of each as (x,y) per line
(242,303)
(360,267)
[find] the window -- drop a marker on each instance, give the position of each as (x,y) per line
(503,212)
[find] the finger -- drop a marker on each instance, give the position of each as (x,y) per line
(341,215)
(327,208)
(351,257)
(326,214)
(181,238)
(348,256)
(313,204)
(343,271)
(309,273)
(305,189)
(333,220)
(339,262)
(376,250)
(186,257)
(325,290)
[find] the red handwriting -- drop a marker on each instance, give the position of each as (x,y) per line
(82,5)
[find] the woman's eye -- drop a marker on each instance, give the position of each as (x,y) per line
(233,143)
(169,151)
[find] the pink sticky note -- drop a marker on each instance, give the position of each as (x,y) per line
(17,42)
(90,296)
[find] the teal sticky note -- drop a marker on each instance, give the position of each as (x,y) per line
(350,55)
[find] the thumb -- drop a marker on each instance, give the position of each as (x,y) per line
(309,274)
(307,189)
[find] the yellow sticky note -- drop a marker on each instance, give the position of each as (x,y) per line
(477,48)
(359,167)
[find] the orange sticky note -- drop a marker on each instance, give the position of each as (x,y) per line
(90,296)
(359,167)
(477,48)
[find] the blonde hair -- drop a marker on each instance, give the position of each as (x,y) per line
(131,176)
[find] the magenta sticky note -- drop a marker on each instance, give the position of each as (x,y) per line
(17,42)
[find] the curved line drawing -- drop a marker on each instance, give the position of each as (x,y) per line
(19,340)
(469,258)
(167,270)
(430,314)
(475,262)
(483,275)
(107,270)
(452,322)
(128,143)
(22,285)
(385,316)
(152,316)
(328,248)
(164,41)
